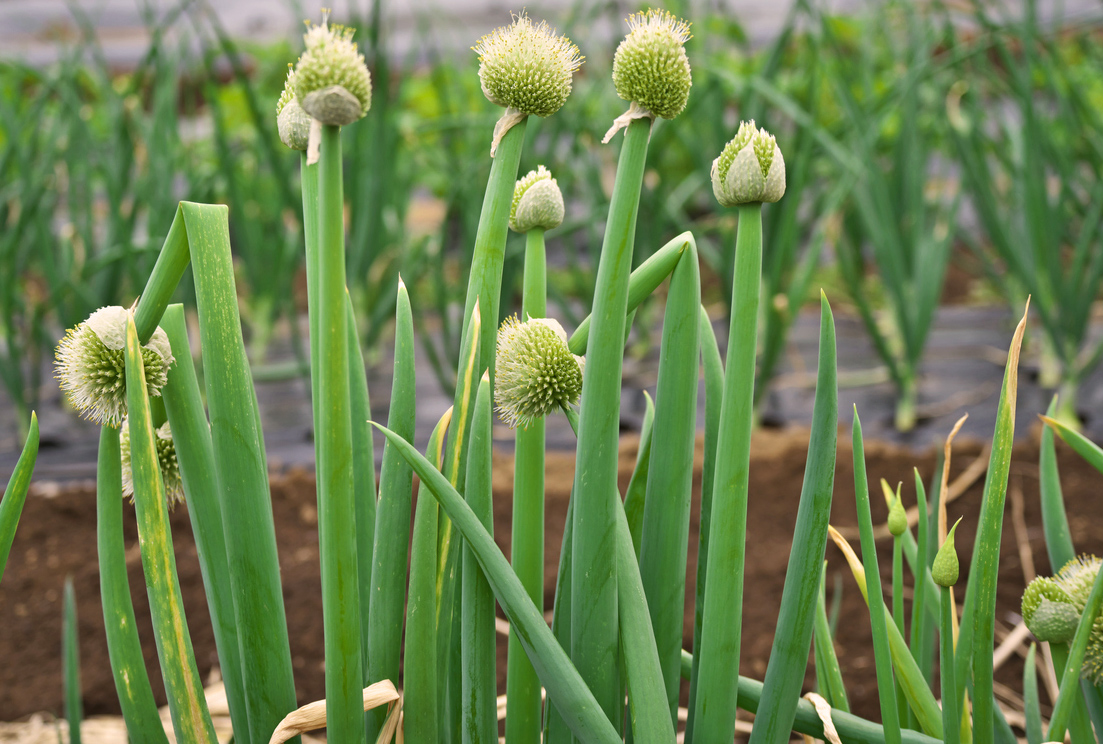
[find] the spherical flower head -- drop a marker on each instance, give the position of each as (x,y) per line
(166,458)
(537,202)
(292,123)
(1049,612)
(536,371)
(91,365)
(750,169)
(331,81)
(1076,579)
(526,66)
(650,67)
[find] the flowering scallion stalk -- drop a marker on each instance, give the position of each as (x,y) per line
(654,38)
(537,207)
(750,170)
(70,662)
(945,574)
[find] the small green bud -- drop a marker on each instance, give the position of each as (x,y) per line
(292,123)
(537,202)
(650,67)
(91,365)
(331,81)
(527,67)
(536,371)
(945,568)
(1049,612)
(750,169)
(166,458)
(898,518)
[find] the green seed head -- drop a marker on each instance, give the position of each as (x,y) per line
(526,66)
(331,81)
(1049,611)
(898,518)
(292,122)
(945,568)
(750,169)
(1076,579)
(91,365)
(650,67)
(166,458)
(537,202)
(536,371)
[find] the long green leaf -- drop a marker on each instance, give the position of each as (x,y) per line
(829,677)
(636,494)
(1030,698)
(191,436)
(15,493)
(392,519)
(565,687)
(70,663)
(190,718)
(124,647)
(793,632)
(1055,523)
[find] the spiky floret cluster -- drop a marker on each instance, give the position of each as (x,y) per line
(750,169)
(1057,604)
(166,458)
(292,122)
(536,371)
(650,67)
(526,66)
(537,202)
(91,365)
(331,80)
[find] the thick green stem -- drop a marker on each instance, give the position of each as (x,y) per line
(906,405)
(70,663)
(527,541)
(333,453)
(594,622)
(721,625)
(951,704)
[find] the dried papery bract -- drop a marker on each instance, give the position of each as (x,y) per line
(651,69)
(537,373)
(750,169)
(526,68)
(91,365)
(166,458)
(537,202)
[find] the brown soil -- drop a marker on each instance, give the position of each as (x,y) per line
(57,537)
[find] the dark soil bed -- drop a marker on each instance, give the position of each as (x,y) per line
(57,536)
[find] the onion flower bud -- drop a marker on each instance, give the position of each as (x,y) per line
(331,80)
(527,69)
(1049,612)
(945,568)
(750,169)
(166,458)
(91,365)
(537,202)
(898,518)
(536,371)
(292,123)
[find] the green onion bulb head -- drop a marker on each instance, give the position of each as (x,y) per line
(527,67)
(331,80)
(91,365)
(750,169)
(945,568)
(1049,612)
(536,371)
(1076,579)
(650,67)
(898,518)
(537,202)
(166,458)
(292,123)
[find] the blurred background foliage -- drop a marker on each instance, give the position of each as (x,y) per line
(915,135)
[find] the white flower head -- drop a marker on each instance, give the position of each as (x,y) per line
(166,458)
(536,371)
(91,365)
(650,67)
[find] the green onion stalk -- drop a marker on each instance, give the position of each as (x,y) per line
(70,662)
(537,207)
(897,526)
(527,69)
(331,85)
(654,90)
(749,171)
(945,574)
